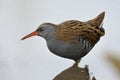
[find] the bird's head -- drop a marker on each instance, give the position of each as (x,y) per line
(45,30)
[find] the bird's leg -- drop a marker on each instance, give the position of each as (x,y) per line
(76,62)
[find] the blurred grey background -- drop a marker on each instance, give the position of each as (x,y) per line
(31,60)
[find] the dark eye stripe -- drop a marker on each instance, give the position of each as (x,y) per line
(40,29)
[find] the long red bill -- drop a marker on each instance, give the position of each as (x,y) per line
(35,33)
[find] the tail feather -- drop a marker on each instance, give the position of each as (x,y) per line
(97,22)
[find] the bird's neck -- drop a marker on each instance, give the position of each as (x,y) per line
(50,37)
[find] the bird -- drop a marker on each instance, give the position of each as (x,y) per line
(71,39)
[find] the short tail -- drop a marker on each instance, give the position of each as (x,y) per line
(97,22)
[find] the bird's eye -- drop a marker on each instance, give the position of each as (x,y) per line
(40,29)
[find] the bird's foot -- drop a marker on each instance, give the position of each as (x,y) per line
(76,62)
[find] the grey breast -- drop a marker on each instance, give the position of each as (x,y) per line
(69,50)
